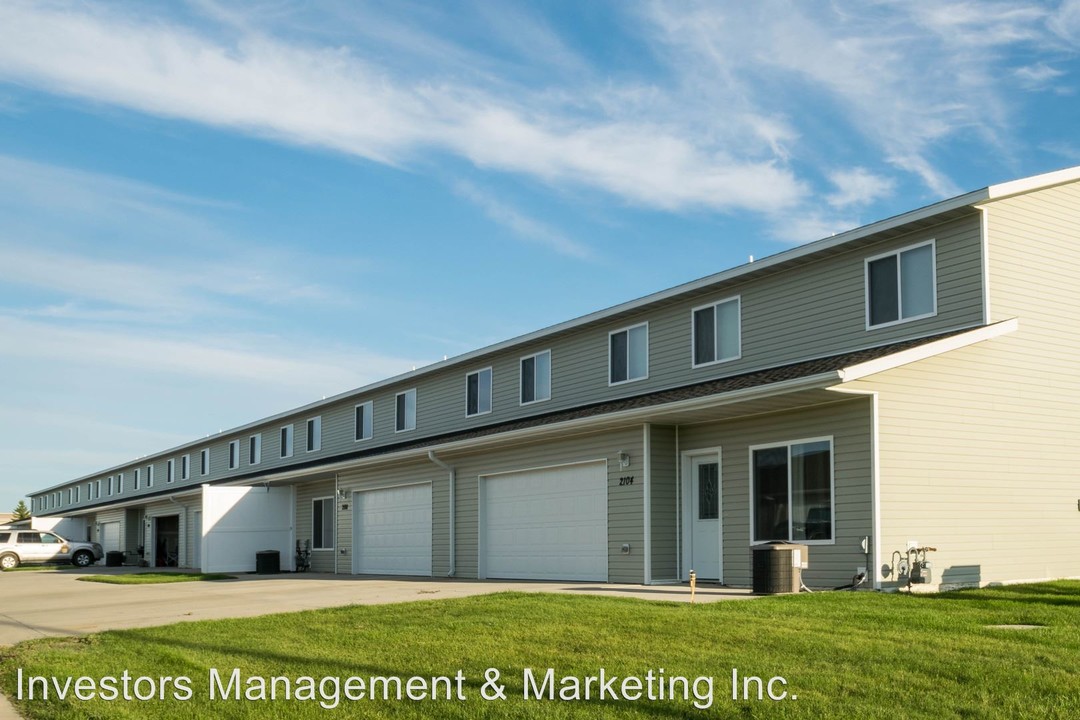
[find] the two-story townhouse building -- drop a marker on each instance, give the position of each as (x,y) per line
(910,381)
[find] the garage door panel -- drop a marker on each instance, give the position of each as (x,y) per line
(392,531)
(546,524)
(110,536)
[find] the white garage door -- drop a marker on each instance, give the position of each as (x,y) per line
(392,531)
(110,536)
(545,524)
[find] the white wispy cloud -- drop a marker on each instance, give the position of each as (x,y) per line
(1037,76)
(331,97)
(858,186)
(522,225)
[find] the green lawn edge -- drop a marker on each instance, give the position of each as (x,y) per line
(152,578)
(844,654)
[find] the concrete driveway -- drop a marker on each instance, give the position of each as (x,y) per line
(40,604)
(50,603)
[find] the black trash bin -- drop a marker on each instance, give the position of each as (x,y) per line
(114,558)
(777,567)
(267,562)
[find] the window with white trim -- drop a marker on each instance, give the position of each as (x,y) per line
(901,285)
(78,493)
(286,443)
(362,417)
(71,495)
(234,454)
(109,486)
(628,354)
(314,434)
(322,523)
(185,466)
(792,491)
(478,392)
(97,489)
(149,476)
(170,470)
(716,331)
(136,478)
(204,461)
(255,449)
(536,377)
(405,411)
(119,483)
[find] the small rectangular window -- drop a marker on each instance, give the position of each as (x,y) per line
(717,332)
(149,476)
(314,434)
(322,524)
(109,486)
(204,461)
(287,441)
(255,449)
(71,495)
(185,467)
(120,484)
(536,378)
(405,411)
(234,454)
(170,470)
(136,478)
(901,285)
(362,426)
(97,489)
(478,392)
(792,491)
(628,353)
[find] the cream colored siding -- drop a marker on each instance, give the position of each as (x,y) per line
(321,560)
(849,424)
(664,499)
(979,446)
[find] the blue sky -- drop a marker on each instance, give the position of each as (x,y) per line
(211,212)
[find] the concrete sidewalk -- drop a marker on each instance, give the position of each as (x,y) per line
(55,603)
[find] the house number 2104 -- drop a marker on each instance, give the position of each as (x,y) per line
(627,480)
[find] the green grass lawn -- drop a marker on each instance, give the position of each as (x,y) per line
(151,578)
(850,655)
(39,568)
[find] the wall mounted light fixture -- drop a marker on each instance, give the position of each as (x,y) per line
(624,459)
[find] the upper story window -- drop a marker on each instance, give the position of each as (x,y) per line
(97,489)
(362,427)
(234,454)
(204,461)
(170,470)
(536,377)
(901,285)
(78,493)
(255,449)
(478,392)
(149,476)
(286,441)
(109,486)
(185,467)
(717,332)
(314,434)
(792,491)
(405,411)
(71,495)
(119,483)
(628,354)
(136,478)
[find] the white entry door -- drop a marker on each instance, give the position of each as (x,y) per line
(547,524)
(392,531)
(705,516)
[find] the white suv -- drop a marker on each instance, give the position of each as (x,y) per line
(33,546)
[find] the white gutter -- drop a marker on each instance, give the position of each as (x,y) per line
(453,530)
(875,478)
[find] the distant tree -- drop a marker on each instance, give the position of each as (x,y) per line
(21,512)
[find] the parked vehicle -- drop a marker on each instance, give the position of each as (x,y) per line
(34,546)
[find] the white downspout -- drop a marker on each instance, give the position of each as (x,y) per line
(453,530)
